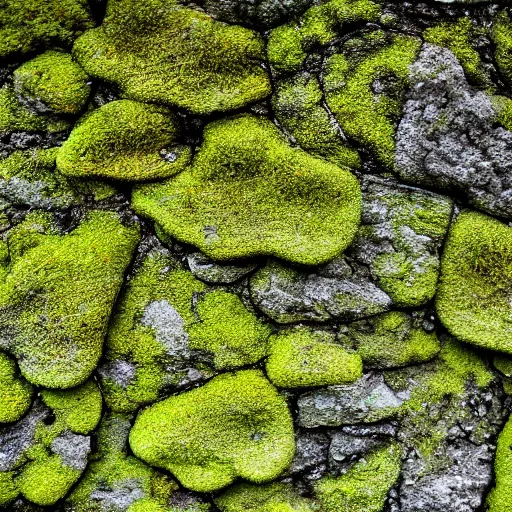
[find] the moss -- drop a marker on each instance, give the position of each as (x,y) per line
(234,426)
(303,358)
(458,36)
(225,328)
(14,117)
(56,299)
(503,108)
(284,48)
(500,497)
(124,140)
(474,300)
(8,489)
(31,24)
(187,59)
(275,497)
(236,202)
(15,392)
(364,487)
(297,104)
(363,115)
(503,364)
(502,37)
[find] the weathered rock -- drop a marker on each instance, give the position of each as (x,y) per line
(217,273)
(311,452)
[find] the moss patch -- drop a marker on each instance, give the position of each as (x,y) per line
(58,293)
(235,426)
(303,358)
(124,140)
(15,392)
(237,202)
(500,497)
(187,59)
(474,298)
(502,37)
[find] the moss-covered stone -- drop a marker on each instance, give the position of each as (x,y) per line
(215,67)
(364,487)
(235,426)
(30,24)
(502,37)
(237,202)
(276,497)
(474,298)
(56,298)
(356,91)
(303,358)
(15,392)
(14,117)
(124,140)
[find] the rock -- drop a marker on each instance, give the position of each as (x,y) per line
(311,451)
(447,137)
(212,272)
(73,449)
(367,400)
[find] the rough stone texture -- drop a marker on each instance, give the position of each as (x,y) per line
(217,273)
(73,449)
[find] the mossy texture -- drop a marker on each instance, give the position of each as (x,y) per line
(124,140)
(56,298)
(248,193)
(15,392)
(502,37)
(187,59)
(303,358)
(54,80)
(500,497)
(364,487)
(236,425)
(14,117)
(474,298)
(30,24)
(365,116)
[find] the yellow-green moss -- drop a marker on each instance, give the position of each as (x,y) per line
(303,358)
(157,51)
(8,489)
(364,487)
(474,298)
(237,202)
(124,140)
(502,37)
(55,80)
(56,299)
(15,392)
(236,425)
(14,117)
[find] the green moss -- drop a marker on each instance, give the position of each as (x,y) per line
(284,48)
(364,487)
(503,364)
(8,489)
(225,328)
(30,24)
(297,104)
(235,202)
(366,117)
(15,392)
(187,59)
(14,117)
(303,358)
(54,80)
(503,107)
(56,299)
(502,37)
(124,140)
(234,426)
(457,36)
(276,497)
(392,340)
(474,299)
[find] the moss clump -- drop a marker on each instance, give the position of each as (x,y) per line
(297,104)
(234,426)
(502,37)
(124,140)
(457,36)
(366,116)
(276,497)
(14,117)
(474,298)
(500,497)
(302,358)
(392,340)
(15,392)
(28,25)
(53,81)
(237,201)
(56,298)
(364,487)
(187,59)
(8,489)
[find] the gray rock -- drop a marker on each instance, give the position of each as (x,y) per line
(119,497)
(217,273)
(120,372)
(346,447)
(73,449)
(447,138)
(311,450)
(367,400)
(186,501)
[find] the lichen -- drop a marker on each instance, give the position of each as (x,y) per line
(236,425)
(15,392)
(124,140)
(187,59)
(235,202)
